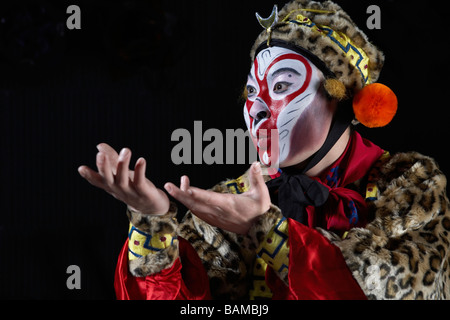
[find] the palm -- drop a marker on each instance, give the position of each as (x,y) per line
(232,212)
(131,187)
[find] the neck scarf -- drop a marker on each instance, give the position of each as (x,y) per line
(293,190)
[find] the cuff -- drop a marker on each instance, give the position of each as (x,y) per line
(259,230)
(268,237)
(274,249)
(152,242)
(152,224)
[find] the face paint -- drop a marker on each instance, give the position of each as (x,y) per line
(283,102)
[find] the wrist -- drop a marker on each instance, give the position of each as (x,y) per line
(261,226)
(147,212)
(151,223)
(161,208)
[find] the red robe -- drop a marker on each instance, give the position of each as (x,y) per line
(317,269)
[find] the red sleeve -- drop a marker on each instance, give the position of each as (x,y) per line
(317,269)
(186,279)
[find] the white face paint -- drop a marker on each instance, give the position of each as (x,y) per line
(284,97)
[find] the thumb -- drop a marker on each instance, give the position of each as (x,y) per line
(258,188)
(256,179)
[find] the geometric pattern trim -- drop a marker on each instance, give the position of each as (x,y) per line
(357,57)
(274,249)
(141,244)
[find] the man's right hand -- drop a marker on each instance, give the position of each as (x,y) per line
(131,187)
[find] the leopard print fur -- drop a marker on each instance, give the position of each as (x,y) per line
(404,252)
(149,224)
(227,257)
(323,47)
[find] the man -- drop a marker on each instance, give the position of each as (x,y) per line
(341,219)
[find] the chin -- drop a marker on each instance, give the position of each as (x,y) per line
(292,162)
(299,157)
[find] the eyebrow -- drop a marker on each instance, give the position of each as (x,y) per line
(273,75)
(251,77)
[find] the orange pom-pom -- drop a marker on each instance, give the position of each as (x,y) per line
(375,105)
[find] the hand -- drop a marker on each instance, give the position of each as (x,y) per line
(131,187)
(232,212)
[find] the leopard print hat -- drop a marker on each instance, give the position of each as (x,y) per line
(325,33)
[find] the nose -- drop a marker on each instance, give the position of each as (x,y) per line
(259,111)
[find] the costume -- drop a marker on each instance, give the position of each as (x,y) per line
(371,225)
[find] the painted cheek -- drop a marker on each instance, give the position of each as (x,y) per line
(248,119)
(276,106)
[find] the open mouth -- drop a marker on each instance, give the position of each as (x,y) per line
(262,137)
(263,143)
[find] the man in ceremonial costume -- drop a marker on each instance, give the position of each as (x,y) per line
(340,219)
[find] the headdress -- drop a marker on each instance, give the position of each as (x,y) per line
(327,36)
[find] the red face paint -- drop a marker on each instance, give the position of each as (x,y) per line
(282,84)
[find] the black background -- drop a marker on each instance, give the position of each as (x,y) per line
(135,72)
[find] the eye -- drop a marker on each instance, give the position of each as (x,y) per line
(281,87)
(251,91)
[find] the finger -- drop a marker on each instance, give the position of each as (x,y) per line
(122,176)
(184,197)
(111,154)
(139,180)
(185,183)
(187,199)
(209,198)
(91,176)
(104,168)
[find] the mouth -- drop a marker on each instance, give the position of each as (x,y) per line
(261,137)
(263,143)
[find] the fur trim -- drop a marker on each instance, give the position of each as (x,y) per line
(410,200)
(227,257)
(154,263)
(165,224)
(261,228)
(404,252)
(153,224)
(226,266)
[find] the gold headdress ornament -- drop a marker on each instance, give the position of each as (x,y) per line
(272,20)
(269,22)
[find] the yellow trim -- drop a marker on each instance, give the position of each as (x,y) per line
(141,244)
(355,55)
(260,288)
(239,185)
(307,10)
(275,248)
